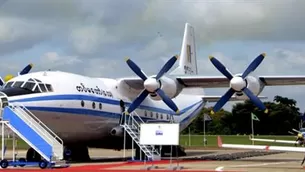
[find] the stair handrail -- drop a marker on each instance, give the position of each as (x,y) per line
(39,122)
(29,122)
(154,150)
(24,138)
(35,125)
(137,125)
(138,143)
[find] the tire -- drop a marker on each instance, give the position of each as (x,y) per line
(22,160)
(43,164)
(4,163)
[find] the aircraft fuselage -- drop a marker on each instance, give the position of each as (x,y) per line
(83,109)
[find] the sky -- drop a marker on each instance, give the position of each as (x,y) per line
(93,37)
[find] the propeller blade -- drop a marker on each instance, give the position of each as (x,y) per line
(167,100)
(223,100)
(221,67)
(135,68)
(168,65)
(1,81)
(137,101)
(26,69)
(253,65)
(255,100)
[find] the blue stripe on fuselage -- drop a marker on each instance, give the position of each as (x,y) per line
(82,111)
(99,100)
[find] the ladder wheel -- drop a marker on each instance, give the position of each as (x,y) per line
(43,164)
(22,160)
(4,163)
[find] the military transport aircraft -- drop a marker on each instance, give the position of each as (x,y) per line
(85,111)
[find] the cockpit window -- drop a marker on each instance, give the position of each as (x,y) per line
(33,85)
(29,85)
(43,87)
(49,87)
(18,84)
(9,84)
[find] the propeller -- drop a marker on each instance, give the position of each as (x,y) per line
(152,85)
(22,72)
(238,83)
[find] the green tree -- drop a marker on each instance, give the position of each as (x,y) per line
(283,116)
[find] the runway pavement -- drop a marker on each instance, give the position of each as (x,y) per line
(283,162)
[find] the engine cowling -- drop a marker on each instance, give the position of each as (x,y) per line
(117,131)
(253,84)
(170,86)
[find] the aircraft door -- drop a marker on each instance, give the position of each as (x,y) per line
(3,102)
(122,106)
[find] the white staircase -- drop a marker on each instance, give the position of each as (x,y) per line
(35,133)
(132,127)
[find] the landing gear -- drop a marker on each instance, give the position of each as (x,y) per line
(76,153)
(33,156)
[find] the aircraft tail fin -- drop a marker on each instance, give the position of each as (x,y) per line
(187,59)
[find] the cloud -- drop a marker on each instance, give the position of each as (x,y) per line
(93,37)
(92,27)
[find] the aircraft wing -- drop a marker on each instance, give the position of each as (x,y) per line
(260,147)
(233,98)
(274,140)
(220,81)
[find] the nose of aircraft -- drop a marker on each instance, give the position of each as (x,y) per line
(11,91)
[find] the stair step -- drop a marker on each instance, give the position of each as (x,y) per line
(134,132)
(27,126)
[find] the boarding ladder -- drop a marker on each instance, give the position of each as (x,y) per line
(30,129)
(132,125)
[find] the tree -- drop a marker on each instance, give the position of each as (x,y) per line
(283,115)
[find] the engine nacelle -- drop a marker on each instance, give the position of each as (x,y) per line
(117,131)
(253,84)
(170,87)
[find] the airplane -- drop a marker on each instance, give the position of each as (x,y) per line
(85,111)
(299,138)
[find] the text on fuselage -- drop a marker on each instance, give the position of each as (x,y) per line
(97,90)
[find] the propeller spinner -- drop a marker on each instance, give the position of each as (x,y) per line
(152,85)
(238,83)
(22,72)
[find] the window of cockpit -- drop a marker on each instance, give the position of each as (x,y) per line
(18,84)
(43,88)
(37,90)
(29,85)
(9,84)
(49,88)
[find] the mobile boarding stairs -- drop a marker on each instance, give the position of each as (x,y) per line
(131,124)
(36,134)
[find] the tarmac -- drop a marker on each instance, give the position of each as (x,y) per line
(283,162)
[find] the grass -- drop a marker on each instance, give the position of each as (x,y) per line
(195,141)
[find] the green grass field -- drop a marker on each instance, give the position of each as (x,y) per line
(196,140)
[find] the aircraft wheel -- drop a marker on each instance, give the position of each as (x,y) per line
(43,164)
(22,160)
(4,163)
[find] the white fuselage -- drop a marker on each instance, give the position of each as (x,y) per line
(81,108)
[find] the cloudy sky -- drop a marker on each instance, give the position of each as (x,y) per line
(92,37)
